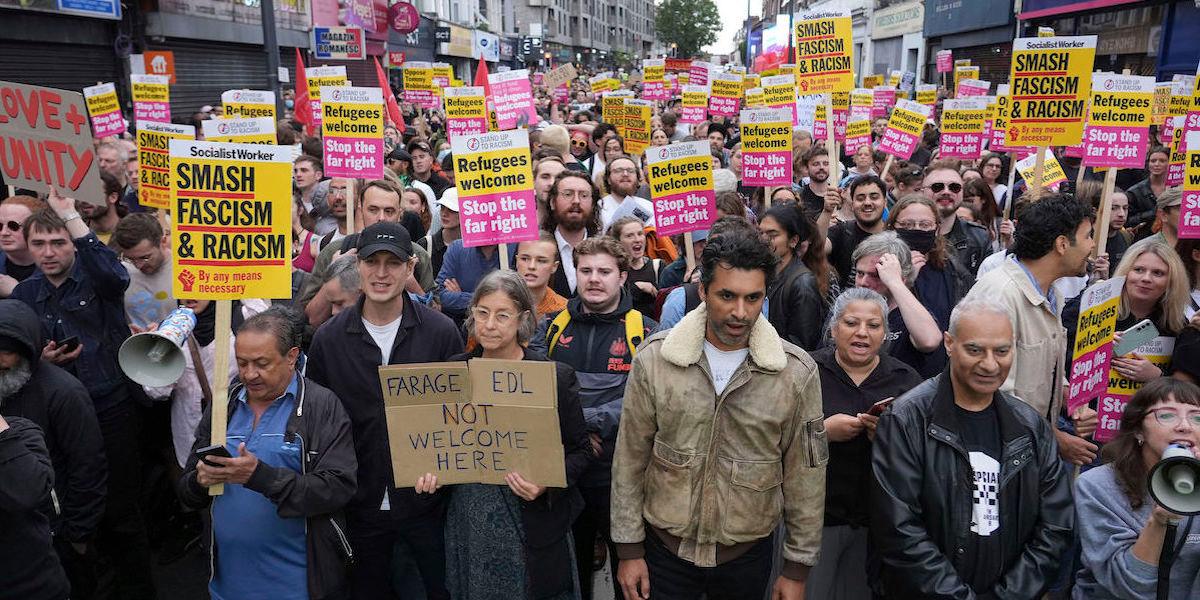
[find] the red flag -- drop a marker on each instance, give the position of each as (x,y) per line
(302,108)
(481,78)
(392,112)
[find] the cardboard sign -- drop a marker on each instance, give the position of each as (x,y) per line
(1112,403)
(962,128)
(151,98)
(945,61)
(319,77)
(1092,354)
(232,220)
(1052,172)
(512,94)
(634,125)
(927,94)
(466,111)
(961,73)
(1189,212)
(904,129)
(560,75)
(806,111)
(338,43)
(1177,163)
(259,130)
(766,146)
(1050,84)
(45,141)
(726,94)
(695,103)
(907,81)
(474,422)
(882,98)
(247,104)
(872,81)
(824,52)
(756,97)
(1118,128)
(495,188)
(105,110)
(154,160)
(352,132)
(653,82)
(681,186)
(418,85)
(858,133)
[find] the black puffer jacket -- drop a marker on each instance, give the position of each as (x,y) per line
(796,308)
(29,568)
(59,404)
(922,500)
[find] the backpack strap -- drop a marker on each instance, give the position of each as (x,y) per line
(556,328)
(427,242)
(635,330)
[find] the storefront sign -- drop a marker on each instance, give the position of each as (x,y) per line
(338,43)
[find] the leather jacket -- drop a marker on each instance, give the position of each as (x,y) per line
(922,501)
(797,309)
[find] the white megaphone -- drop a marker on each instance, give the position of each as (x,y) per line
(1173,481)
(155,358)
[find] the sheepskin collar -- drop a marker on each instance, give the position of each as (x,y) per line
(685,342)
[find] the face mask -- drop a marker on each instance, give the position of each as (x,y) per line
(921,241)
(289,103)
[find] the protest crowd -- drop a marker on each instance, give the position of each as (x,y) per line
(831,348)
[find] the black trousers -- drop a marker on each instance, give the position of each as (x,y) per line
(374,539)
(743,578)
(121,539)
(593,522)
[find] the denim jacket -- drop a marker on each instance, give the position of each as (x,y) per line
(90,304)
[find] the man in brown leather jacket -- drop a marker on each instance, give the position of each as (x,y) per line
(722,436)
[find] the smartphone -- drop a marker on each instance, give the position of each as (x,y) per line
(214,450)
(68,345)
(1135,336)
(877,408)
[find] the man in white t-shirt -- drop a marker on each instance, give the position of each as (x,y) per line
(145,252)
(621,179)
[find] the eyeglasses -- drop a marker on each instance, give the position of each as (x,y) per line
(939,186)
(13,226)
(623,171)
(483,315)
(919,225)
(1169,418)
(580,195)
(579,144)
(337,191)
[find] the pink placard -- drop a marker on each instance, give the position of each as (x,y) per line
(691,114)
(562,94)
(1075,151)
(684,212)
(468,126)
(883,99)
(765,168)
(513,95)
(1115,146)
(1189,215)
(681,187)
(841,116)
(504,218)
(724,106)
(159,112)
(1089,376)
(698,73)
(108,124)
(945,61)
(968,88)
(360,158)
(961,145)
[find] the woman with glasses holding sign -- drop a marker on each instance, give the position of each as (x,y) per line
(514,542)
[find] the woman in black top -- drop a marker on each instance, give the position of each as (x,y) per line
(797,295)
(854,377)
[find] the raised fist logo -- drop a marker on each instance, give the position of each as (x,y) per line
(188,279)
(804,84)
(1013,134)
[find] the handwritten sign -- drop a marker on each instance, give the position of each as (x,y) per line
(513,96)
(1092,354)
(1112,403)
(154,160)
(466,111)
(495,187)
(45,141)
(695,103)
(248,104)
(560,75)
(766,146)
(962,128)
(1050,87)
(474,422)
(105,110)
(319,77)
(232,213)
(904,129)
(726,94)
(352,132)
(1118,127)
(824,52)
(259,130)
(151,98)
(681,185)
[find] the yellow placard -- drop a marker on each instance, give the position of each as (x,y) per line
(824,52)
(756,97)
(727,88)
(779,90)
(418,79)
(872,81)
(862,97)
(443,72)
(460,106)
(103,103)
(319,77)
(751,80)
(962,121)
(907,121)
(893,79)
(927,94)
(1123,109)
(1052,172)
(495,172)
(144,91)
(695,97)
(840,100)
(770,72)
(1050,83)
(154,160)
(1162,101)
(248,104)
(682,176)
(967,72)
(232,220)
(858,128)
(635,125)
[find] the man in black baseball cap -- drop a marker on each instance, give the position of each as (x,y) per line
(400,162)
(422,167)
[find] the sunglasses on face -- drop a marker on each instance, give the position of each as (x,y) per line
(579,144)
(13,226)
(939,186)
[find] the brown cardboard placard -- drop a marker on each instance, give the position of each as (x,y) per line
(473,422)
(45,140)
(559,75)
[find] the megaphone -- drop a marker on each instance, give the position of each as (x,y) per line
(155,358)
(1173,481)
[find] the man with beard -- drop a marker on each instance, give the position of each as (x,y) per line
(598,335)
(338,188)
(31,571)
(55,401)
(867,201)
(971,242)
(819,199)
(622,178)
(1053,239)
(102,218)
(722,438)
(16,262)
(545,170)
(572,218)
(146,253)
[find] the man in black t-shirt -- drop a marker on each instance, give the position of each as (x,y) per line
(16,262)
(972,500)
(867,201)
